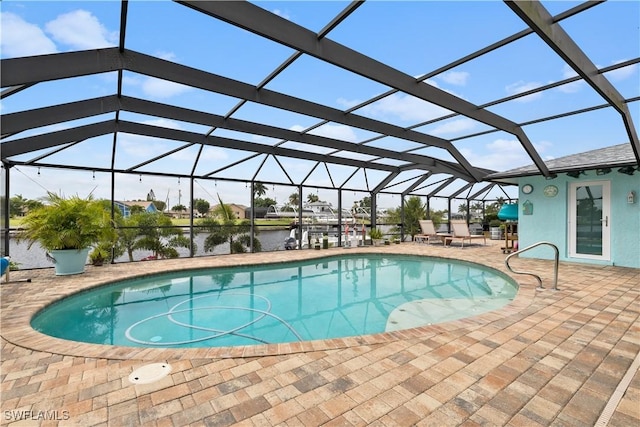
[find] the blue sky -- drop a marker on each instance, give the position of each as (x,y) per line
(413,37)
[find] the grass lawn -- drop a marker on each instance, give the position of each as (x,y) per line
(184,222)
(15,222)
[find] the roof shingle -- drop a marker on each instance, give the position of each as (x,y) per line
(613,156)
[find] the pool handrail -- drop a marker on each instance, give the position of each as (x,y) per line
(555,267)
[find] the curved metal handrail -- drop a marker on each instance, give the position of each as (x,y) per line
(555,269)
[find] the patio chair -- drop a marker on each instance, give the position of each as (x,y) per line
(4,268)
(460,230)
(428,232)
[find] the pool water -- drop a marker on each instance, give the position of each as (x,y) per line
(331,297)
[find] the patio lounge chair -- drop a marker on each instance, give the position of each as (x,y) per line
(4,268)
(460,230)
(428,232)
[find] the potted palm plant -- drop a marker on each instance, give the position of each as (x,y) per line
(67,228)
(376,236)
(99,255)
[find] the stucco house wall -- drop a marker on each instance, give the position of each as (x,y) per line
(549,219)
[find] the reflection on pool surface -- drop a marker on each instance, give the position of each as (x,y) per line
(331,297)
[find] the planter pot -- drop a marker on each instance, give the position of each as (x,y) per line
(70,261)
(496,233)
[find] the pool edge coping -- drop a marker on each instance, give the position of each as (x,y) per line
(16,318)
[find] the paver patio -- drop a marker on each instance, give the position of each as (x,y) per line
(548,358)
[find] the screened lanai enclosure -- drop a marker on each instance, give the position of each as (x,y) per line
(311,108)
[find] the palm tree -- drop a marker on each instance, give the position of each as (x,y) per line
(259,189)
(154,232)
(294,200)
(236,233)
(414,211)
(17,204)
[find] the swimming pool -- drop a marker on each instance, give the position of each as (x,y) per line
(331,297)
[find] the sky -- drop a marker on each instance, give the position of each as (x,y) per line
(414,37)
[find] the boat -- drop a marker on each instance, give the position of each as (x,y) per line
(352,235)
(324,212)
(292,241)
(287,211)
(312,213)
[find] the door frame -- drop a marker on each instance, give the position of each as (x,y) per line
(606,214)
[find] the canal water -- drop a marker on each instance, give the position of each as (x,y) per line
(271,240)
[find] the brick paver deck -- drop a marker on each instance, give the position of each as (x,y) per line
(549,358)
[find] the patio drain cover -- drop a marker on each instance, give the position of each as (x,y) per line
(150,373)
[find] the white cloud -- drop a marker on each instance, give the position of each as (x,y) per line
(572,87)
(504,154)
(453,127)
(433,83)
(45,129)
(80,30)
(281,13)
(158,88)
(164,123)
(341,132)
(615,75)
(130,80)
(212,153)
(134,143)
(266,140)
(404,107)
(189,155)
(141,147)
(168,56)
(458,78)
(499,155)
(622,73)
(20,38)
(567,73)
(541,147)
(346,103)
(520,87)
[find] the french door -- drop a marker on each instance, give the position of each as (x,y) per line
(590,220)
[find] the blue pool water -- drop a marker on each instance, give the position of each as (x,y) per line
(315,299)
